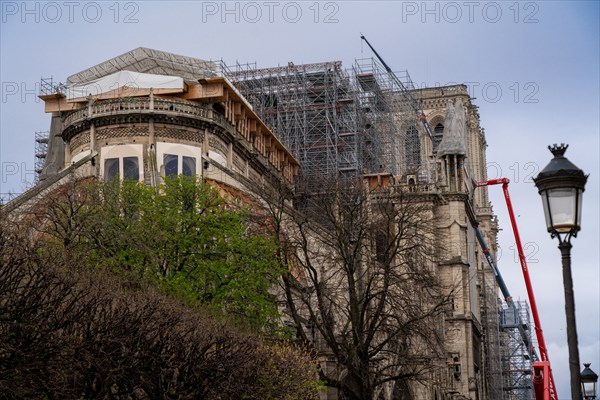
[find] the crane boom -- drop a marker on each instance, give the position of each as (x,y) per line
(403,90)
(504,289)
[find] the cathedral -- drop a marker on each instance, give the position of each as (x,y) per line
(149,114)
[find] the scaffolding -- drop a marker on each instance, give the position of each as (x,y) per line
(41,151)
(334,121)
(517,357)
(375,92)
(491,308)
(49,87)
(311,109)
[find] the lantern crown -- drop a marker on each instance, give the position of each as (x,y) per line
(560,171)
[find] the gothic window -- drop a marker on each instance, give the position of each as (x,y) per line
(412,148)
(111,168)
(121,162)
(381,246)
(438,133)
(131,168)
(170,161)
(188,166)
(173,167)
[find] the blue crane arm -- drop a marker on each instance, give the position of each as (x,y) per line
(492,263)
(504,290)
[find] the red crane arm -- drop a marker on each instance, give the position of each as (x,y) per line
(543,380)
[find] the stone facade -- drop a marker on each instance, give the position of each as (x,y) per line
(472,364)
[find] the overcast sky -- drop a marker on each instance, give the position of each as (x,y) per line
(533,68)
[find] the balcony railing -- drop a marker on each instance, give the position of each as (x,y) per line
(175,108)
(141,105)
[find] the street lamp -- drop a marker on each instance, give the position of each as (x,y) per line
(561,185)
(588,382)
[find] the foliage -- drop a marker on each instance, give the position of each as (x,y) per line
(181,235)
(75,333)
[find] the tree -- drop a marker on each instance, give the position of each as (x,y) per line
(361,283)
(68,332)
(182,235)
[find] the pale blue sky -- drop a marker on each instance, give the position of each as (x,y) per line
(543,57)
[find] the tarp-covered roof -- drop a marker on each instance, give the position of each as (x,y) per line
(130,79)
(148,61)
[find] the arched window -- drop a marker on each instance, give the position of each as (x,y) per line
(111,168)
(188,166)
(170,161)
(438,133)
(122,161)
(412,148)
(131,168)
(172,165)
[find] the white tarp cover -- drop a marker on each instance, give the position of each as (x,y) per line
(136,80)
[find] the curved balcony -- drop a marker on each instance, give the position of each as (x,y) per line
(171,111)
(117,107)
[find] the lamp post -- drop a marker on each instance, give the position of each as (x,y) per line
(588,382)
(561,185)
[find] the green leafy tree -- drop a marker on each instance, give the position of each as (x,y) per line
(182,235)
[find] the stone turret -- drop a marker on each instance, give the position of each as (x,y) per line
(452,149)
(453,142)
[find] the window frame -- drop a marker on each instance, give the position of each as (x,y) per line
(122,152)
(181,151)
(412,135)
